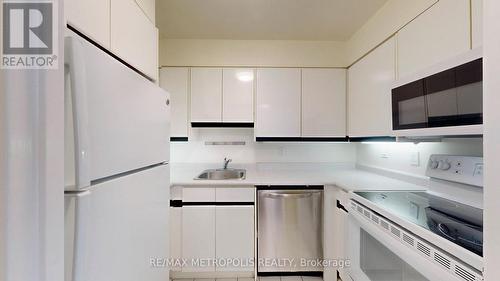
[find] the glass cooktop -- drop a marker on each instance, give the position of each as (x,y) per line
(454,221)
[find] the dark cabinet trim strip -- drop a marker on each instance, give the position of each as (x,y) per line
(372,139)
(289,187)
(221,125)
(178,138)
(180,203)
(294,273)
(302,139)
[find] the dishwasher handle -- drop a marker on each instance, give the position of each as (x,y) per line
(290,194)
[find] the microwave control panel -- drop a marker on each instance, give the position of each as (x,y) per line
(461,169)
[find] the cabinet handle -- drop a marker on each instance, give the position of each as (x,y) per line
(340,206)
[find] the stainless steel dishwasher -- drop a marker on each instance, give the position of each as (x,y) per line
(289,226)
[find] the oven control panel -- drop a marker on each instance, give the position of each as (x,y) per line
(461,169)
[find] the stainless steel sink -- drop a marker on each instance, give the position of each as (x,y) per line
(222,174)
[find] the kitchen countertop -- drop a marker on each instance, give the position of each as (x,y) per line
(345,176)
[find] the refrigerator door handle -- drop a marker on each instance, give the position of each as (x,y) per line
(75,64)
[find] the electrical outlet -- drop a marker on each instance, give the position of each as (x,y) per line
(415,159)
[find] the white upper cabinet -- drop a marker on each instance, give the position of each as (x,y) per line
(206,94)
(90,17)
(477,23)
(323,102)
(369,92)
(441,32)
(278,102)
(175,80)
(237,102)
(148,7)
(134,38)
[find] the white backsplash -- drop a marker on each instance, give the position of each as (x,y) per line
(196,151)
(398,156)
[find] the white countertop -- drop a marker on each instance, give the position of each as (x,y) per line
(345,176)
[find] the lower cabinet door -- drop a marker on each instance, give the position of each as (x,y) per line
(198,238)
(234,239)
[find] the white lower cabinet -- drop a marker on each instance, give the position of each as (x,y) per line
(206,232)
(234,236)
(198,237)
(335,223)
(175,226)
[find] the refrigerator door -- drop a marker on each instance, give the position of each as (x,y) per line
(116,120)
(118,228)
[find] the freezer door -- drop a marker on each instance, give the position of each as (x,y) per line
(119,230)
(116,120)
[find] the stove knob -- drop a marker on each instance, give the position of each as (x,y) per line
(444,165)
(433,164)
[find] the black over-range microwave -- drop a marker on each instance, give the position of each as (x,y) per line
(453,97)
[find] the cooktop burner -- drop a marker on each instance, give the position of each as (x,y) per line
(456,222)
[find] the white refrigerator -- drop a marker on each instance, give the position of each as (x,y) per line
(116,168)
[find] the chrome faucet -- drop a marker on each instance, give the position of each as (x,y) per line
(226,162)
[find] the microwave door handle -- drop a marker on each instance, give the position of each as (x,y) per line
(75,64)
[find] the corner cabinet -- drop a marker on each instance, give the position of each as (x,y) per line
(369,92)
(441,32)
(278,102)
(175,80)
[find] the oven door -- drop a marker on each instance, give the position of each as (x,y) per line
(378,255)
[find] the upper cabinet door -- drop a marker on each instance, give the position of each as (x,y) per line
(91,17)
(477,23)
(323,102)
(439,33)
(175,80)
(134,38)
(206,94)
(278,102)
(369,100)
(237,103)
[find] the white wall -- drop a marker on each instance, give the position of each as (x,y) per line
(492,139)
(396,156)
(277,53)
(195,151)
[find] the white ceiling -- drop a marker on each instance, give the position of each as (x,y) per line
(263,19)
